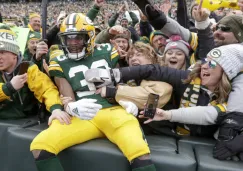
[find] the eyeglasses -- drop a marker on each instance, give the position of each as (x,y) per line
(212,64)
(223,28)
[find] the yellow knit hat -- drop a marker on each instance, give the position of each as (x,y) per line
(32,15)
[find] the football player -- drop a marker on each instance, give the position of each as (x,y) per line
(93,116)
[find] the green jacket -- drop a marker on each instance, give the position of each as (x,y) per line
(103,37)
(18,104)
(93,12)
(27,55)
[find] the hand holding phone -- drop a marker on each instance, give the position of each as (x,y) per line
(23,67)
(151,105)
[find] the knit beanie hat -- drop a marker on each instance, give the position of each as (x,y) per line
(229,57)
(235,24)
(8,41)
(124,18)
(32,15)
(124,35)
(155,33)
(33,35)
(143,39)
(176,42)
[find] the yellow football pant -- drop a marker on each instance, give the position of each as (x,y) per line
(114,123)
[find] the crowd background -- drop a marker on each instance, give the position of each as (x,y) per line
(163,41)
(15,12)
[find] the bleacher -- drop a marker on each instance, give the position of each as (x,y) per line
(168,154)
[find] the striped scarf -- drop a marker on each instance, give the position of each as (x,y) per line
(190,99)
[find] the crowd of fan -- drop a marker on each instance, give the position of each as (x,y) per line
(18,11)
(192,61)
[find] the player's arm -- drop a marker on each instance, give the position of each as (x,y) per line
(84,109)
(57,74)
(64,87)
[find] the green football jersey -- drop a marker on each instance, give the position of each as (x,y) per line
(104,56)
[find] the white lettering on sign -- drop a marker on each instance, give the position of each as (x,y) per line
(7,36)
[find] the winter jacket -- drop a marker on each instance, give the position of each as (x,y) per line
(22,103)
(204,37)
(145,28)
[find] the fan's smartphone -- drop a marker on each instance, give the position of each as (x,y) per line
(23,67)
(151,105)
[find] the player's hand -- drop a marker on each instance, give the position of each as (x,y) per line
(160,115)
(65,100)
(41,50)
(240,4)
(62,116)
(130,107)
(85,109)
(18,81)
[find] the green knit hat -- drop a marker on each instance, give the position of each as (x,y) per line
(8,40)
(34,35)
(155,33)
(234,22)
(144,39)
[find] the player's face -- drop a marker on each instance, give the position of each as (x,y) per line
(75,43)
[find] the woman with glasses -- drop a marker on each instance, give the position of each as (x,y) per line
(200,94)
